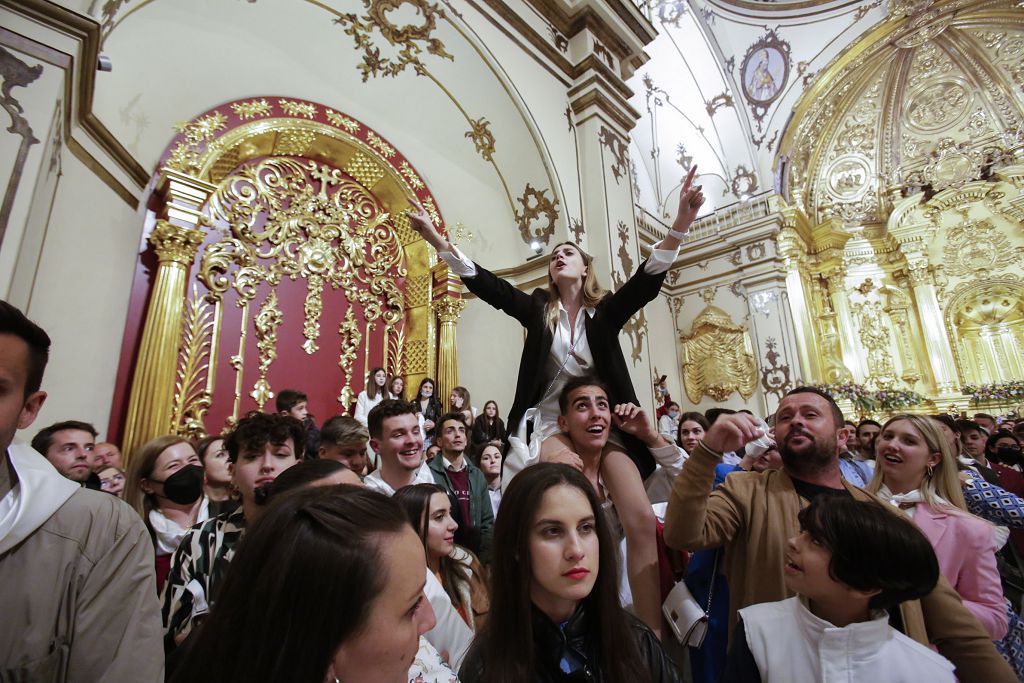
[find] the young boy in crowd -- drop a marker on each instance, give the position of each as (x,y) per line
(852,561)
(344,439)
(296,404)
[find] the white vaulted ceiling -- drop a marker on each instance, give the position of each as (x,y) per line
(691,96)
(447,104)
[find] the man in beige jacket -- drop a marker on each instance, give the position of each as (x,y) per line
(77,587)
(753,514)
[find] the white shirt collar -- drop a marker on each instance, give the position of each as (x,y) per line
(448,463)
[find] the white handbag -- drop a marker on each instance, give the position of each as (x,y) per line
(687,619)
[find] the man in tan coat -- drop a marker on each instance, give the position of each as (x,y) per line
(753,514)
(77,587)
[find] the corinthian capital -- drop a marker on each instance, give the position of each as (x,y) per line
(174,243)
(449,309)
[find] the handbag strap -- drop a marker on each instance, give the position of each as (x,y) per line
(711,584)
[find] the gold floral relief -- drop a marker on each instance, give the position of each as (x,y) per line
(718,358)
(298,218)
(191,398)
(268,319)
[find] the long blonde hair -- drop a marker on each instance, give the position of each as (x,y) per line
(943,482)
(592,291)
(141,467)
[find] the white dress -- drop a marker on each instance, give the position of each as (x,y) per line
(363,405)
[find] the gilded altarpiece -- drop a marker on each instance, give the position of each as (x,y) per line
(303,272)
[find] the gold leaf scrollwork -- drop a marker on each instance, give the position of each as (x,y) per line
(350,338)
(293,108)
(397,353)
(482,137)
(185,155)
(252,109)
(774,376)
(313,308)
(408,38)
(191,400)
(619,151)
(536,205)
(268,319)
(717,358)
(342,121)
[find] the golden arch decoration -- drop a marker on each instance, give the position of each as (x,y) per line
(257,195)
(718,358)
(985,322)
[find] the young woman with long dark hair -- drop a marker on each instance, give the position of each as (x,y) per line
(555,609)
(488,426)
(461,575)
(376,391)
(428,407)
(283,613)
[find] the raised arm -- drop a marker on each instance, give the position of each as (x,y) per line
(494,290)
(698,517)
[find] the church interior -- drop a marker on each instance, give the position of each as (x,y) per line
(205,202)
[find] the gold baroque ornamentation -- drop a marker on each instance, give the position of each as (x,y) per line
(384,148)
(874,335)
(396,344)
(719,101)
(774,377)
(350,339)
(191,400)
(536,205)
(294,142)
(411,176)
(576,226)
(342,121)
(185,155)
(482,137)
(293,108)
(938,106)
(252,109)
(416,356)
(717,358)
(175,243)
(449,309)
(975,247)
(619,151)
(636,328)
(364,169)
(319,224)
(409,37)
(625,259)
(268,319)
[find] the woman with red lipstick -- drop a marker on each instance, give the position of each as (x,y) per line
(430,511)
(555,612)
(916,471)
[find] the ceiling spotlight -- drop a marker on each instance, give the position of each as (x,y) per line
(103,63)
(536,246)
(744,197)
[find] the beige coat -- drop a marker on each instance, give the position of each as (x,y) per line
(78,597)
(752,515)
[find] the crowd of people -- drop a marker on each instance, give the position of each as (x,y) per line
(420,539)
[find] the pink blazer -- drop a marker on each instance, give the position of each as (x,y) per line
(965,547)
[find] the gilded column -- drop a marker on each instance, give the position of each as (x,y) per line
(793,252)
(847,330)
(175,239)
(448,310)
(936,342)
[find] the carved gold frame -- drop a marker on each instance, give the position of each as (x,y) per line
(171,389)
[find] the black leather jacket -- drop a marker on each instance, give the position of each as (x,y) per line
(550,641)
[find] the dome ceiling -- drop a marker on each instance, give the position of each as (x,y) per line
(720,86)
(919,104)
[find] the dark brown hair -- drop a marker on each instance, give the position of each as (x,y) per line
(291,559)
(505,644)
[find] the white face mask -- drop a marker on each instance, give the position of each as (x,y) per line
(673,414)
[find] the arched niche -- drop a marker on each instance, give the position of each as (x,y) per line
(986,323)
(281,257)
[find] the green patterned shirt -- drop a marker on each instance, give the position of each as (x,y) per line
(197,571)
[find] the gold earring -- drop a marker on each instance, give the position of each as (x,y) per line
(931,470)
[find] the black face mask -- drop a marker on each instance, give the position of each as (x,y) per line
(184,486)
(1008,455)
